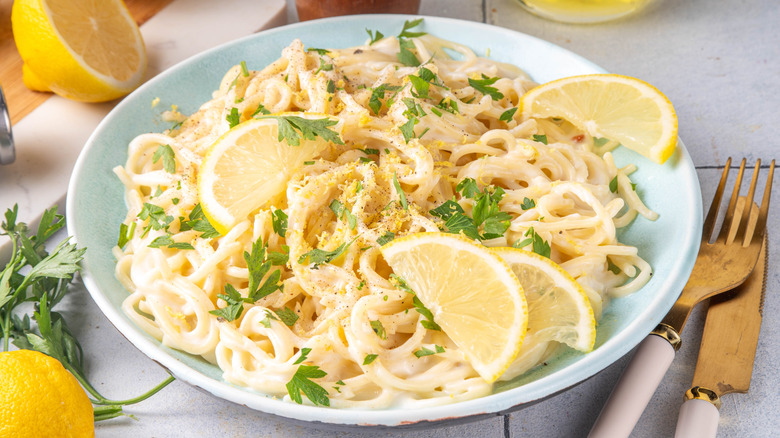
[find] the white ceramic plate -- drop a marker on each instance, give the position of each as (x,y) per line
(96,207)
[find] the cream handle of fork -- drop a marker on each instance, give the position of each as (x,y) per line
(635,388)
(698,419)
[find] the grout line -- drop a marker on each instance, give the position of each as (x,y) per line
(484,11)
(731,167)
(507,434)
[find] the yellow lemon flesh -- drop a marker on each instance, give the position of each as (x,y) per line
(616,107)
(86,50)
(558,308)
(248,167)
(40,398)
(472,293)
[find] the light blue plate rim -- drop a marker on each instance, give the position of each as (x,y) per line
(94,212)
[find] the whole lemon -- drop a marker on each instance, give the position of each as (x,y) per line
(40,398)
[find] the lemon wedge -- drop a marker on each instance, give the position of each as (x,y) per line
(83,50)
(616,107)
(471,292)
(558,308)
(249,166)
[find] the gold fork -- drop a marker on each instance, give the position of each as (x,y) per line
(721,265)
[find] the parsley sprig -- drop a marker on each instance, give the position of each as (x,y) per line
(487,221)
(35,275)
(258,264)
(293,128)
(538,244)
(485,87)
(406,56)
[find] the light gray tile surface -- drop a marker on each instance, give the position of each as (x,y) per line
(719,63)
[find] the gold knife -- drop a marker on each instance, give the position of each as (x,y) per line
(728,348)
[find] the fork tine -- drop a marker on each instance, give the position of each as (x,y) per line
(712,214)
(763,213)
(729,218)
(742,223)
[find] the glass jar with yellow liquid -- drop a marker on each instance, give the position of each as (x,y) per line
(583,11)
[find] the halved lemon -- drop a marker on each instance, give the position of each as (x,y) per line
(616,107)
(471,292)
(247,167)
(558,309)
(83,50)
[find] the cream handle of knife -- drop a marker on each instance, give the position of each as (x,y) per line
(634,389)
(698,419)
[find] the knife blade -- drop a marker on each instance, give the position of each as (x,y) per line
(726,354)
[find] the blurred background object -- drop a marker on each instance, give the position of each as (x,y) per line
(7,152)
(583,11)
(313,9)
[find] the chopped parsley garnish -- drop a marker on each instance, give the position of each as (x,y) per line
(613,185)
(538,244)
(375,36)
(165,152)
(484,86)
(167,241)
(540,138)
(198,222)
(487,221)
(405,55)
(422,352)
(279,258)
(320,52)
(342,212)
(244,70)
(318,256)
(407,129)
(427,315)
(324,66)
(279,222)
(384,238)
(507,115)
(125,234)
(287,316)
(235,304)
(261,110)
(448,105)
(379,329)
(401,195)
(528,203)
(301,383)
(158,220)
(233,118)
(293,128)
(369,358)
(304,355)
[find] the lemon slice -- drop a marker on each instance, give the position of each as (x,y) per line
(616,107)
(80,49)
(471,292)
(558,309)
(247,167)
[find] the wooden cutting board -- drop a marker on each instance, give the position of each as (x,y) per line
(21,100)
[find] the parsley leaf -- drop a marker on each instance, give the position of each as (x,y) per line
(158,220)
(279,258)
(318,256)
(408,25)
(279,222)
(422,352)
(407,129)
(234,307)
(528,203)
(198,222)
(427,315)
(292,128)
(125,234)
(341,212)
(507,115)
(613,185)
(484,86)
(400,191)
(167,241)
(369,358)
(384,238)
(304,355)
(258,265)
(376,36)
(539,245)
(301,383)
(379,329)
(233,117)
(244,70)
(405,55)
(540,138)
(287,316)
(261,110)
(165,152)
